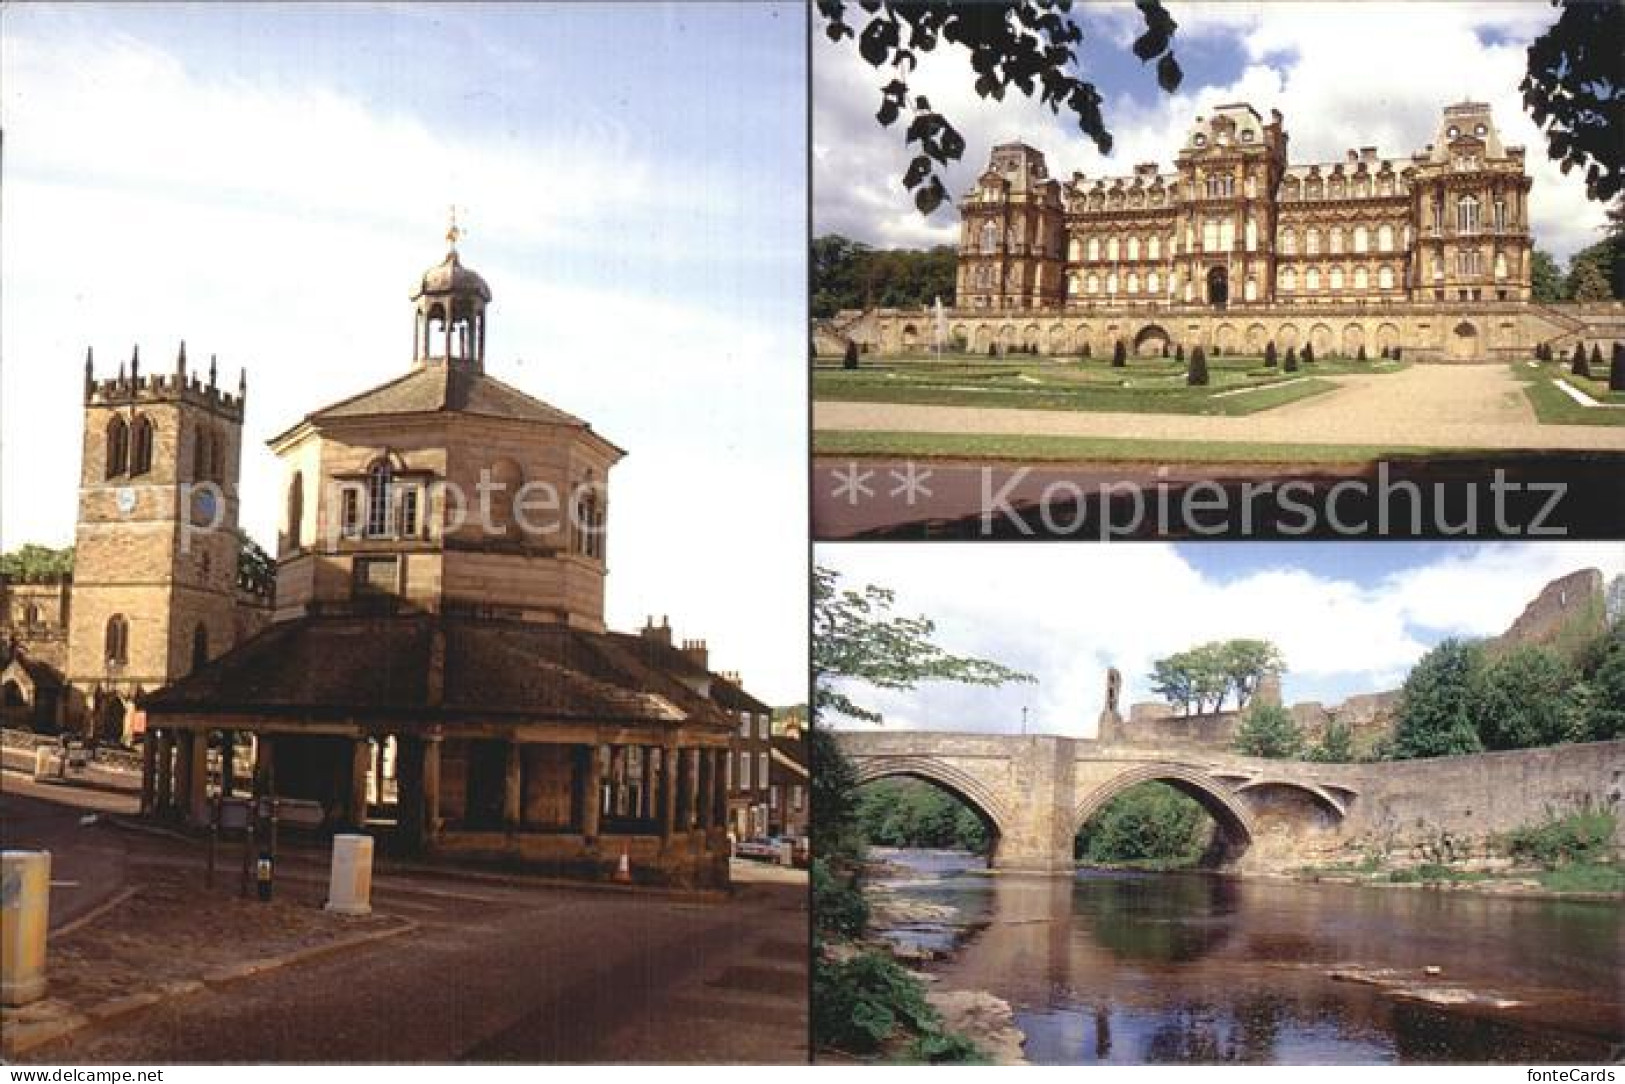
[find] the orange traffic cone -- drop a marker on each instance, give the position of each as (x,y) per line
(623,870)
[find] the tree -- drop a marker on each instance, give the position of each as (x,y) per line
(1436,704)
(1291,364)
(1596,358)
(1545,278)
(31,561)
(1031,46)
(1308,353)
(1203,677)
(1119,355)
(1245,663)
(835,834)
(1579,366)
(849,360)
(1179,352)
(1606,718)
(1270,360)
(1269,731)
(1587,282)
(256,572)
(1572,90)
(1616,369)
(1336,745)
(1521,700)
(857,639)
(1196,375)
(1147,822)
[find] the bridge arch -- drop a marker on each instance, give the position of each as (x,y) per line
(976,794)
(1221,803)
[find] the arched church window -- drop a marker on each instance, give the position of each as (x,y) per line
(141,445)
(118,447)
(118,640)
(296,510)
(380,483)
(200,455)
(200,645)
(588,522)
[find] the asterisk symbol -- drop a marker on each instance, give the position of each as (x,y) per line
(852,484)
(911,483)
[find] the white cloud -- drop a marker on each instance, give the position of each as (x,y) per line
(1066,613)
(280,227)
(1342,75)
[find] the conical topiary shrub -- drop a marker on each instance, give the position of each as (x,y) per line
(1291,363)
(1270,360)
(1119,355)
(1196,375)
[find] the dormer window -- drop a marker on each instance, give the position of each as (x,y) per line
(1199,140)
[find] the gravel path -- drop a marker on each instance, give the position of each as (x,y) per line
(1441,406)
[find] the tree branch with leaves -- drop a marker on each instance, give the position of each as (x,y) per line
(1029,45)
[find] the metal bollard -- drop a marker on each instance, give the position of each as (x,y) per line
(349,883)
(25,911)
(262,876)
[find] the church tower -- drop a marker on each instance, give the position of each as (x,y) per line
(155,562)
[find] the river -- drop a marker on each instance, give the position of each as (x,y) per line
(1132,968)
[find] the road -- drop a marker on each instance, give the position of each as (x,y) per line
(87,866)
(495,972)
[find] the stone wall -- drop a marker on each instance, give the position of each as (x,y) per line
(1568,613)
(1425,331)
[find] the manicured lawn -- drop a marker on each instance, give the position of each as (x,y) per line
(1238,386)
(1554,406)
(974,446)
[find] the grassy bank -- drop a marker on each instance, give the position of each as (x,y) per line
(1553,406)
(1034,449)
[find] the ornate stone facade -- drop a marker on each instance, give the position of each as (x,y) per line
(1236,245)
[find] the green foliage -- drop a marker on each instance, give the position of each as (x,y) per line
(1585,836)
(1437,711)
(855,638)
(1202,678)
(1151,822)
(849,357)
(1119,355)
(32,562)
(1271,360)
(1523,699)
(1196,376)
(1616,369)
(834,832)
(1336,745)
(1584,877)
(1571,88)
(861,1002)
(1605,719)
(1269,731)
(1588,281)
(911,813)
(256,572)
(839,908)
(1291,363)
(1545,277)
(940,1048)
(1308,354)
(848,274)
(1030,46)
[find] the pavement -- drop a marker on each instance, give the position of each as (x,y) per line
(494,970)
(88,868)
(1466,407)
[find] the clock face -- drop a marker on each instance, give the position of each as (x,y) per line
(125,498)
(205,504)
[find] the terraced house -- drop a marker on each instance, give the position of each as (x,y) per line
(1237,245)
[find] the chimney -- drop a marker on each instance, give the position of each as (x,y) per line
(731,677)
(696,652)
(660,634)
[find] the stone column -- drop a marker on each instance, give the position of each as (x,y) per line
(360,761)
(197,779)
(409,787)
(617,780)
(228,742)
(720,816)
(165,782)
(512,789)
(181,787)
(668,791)
(264,765)
(431,788)
(591,794)
(149,771)
(708,788)
(691,790)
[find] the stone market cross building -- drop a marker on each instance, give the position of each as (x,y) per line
(445,680)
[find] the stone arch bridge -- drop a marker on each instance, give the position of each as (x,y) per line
(1035,792)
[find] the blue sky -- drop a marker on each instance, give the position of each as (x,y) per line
(1349,617)
(1342,74)
(266,181)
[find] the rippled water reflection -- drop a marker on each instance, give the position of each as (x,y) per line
(1182,968)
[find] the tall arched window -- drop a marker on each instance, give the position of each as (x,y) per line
(1337,278)
(217,457)
(1311,242)
(141,445)
(296,510)
(118,640)
(1336,236)
(1362,278)
(380,484)
(1154,247)
(1289,242)
(200,645)
(1111,248)
(1385,277)
(1385,238)
(588,528)
(1133,248)
(1133,284)
(31,615)
(1361,238)
(1092,285)
(1311,280)
(200,455)
(507,478)
(1289,280)
(1151,283)
(990,237)
(118,447)
(1467,215)
(1094,248)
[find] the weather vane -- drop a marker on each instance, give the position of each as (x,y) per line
(453,232)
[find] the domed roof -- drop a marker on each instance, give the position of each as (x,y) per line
(449,276)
